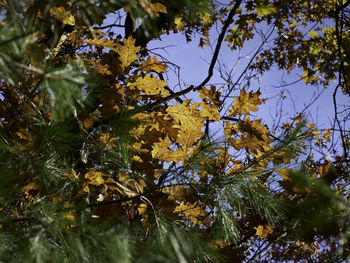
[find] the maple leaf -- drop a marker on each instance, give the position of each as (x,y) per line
(128,52)
(149,85)
(263,232)
(245,103)
(152,64)
(62,15)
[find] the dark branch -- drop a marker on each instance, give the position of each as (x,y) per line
(212,63)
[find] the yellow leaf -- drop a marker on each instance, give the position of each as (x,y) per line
(189,122)
(22,134)
(102,43)
(245,103)
(149,85)
(253,128)
(72,174)
(94,178)
(211,95)
(176,192)
(31,186)
(101,69)
(311,125)
(298,117)
(158,173)
(265,10)
(152,64)
(254,136)
(107,139)
(137,158)
(179,23)
(153,9)
(207,19)
(282,157)
(142,209)
(284,173)
(210,111)
(263,232)
(86,120)
(62,15)
(161,151)
(316,132)
(326,135)
(128,52)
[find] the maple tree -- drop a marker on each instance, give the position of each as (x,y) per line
(102,160)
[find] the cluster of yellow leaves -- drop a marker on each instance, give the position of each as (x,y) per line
(189,121)
(245,103)
(128,187)
(194,211)
(127,51)
(322,137)
(264,231)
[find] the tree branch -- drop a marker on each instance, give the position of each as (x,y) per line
(212,63)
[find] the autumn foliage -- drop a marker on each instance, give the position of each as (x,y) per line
(102,160)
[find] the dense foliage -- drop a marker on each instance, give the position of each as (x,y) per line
(101,160)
